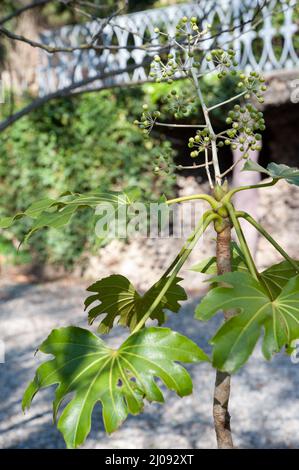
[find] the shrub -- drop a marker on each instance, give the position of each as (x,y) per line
(82,143)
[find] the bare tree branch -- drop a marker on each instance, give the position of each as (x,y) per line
(67,91)
(19,11)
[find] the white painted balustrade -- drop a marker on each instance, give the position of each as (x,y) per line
(272,45)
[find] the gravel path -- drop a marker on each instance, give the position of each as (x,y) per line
(264,405)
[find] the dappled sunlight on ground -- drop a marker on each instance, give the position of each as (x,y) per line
(264,406)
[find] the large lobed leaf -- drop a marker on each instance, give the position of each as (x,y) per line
(274,278)
(276,171)
(56,213)
(119,298)
(87,371)
(236,339)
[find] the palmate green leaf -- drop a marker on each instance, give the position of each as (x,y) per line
(236,339)
(87,371)
(276,277)
(119,298)
(276,171)
(56,213)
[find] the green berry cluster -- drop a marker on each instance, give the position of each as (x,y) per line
(163,163)
(252,84)
(147,120)
(245,122)
(180,104)
(222,60)
(163,71)
(187,27)
(200,142)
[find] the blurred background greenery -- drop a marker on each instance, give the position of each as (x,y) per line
(89,142)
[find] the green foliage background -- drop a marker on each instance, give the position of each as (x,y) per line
(85,143)
(80,144)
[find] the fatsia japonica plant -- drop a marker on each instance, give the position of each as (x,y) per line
(83,368)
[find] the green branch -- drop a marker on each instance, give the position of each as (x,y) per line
(205,197)
(245,249)
(262,231)
(231,193)
(180,260)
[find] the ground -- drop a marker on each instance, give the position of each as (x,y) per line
(264,403)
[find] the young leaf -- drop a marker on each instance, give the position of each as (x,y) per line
(276,171)
(291,175)
(87,371)
(251,165)
(119,298)
(59,212)
(236,339)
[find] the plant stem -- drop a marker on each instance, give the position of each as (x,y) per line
(164,124)
(207,168)
(193,167)
(204,222)
(223,379)
(245,249)
(230,194)
(268,237)
(226,101)
(210,128)
(205,197)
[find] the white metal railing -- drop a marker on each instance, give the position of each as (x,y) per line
(273,45)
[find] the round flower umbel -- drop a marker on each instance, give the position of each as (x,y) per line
(180,104)
(188,28)
(161,71)
(222,60)
(186,44)
(253,85)
(245,121)
(148,120)
(163,163)
(200,143)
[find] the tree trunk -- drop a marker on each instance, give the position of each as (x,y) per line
(223,379)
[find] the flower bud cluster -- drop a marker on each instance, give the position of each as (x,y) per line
(147,120)
(223,61)
(200,142)
(253,85)
(163,163)
(179,104)
(245,122)
(161,71)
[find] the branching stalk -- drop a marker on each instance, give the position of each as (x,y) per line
(165,124)
(245,249)
(205,221)
(205,197)
(210,128)
(268,237)
(194,167)
(231,193)
(226,101)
